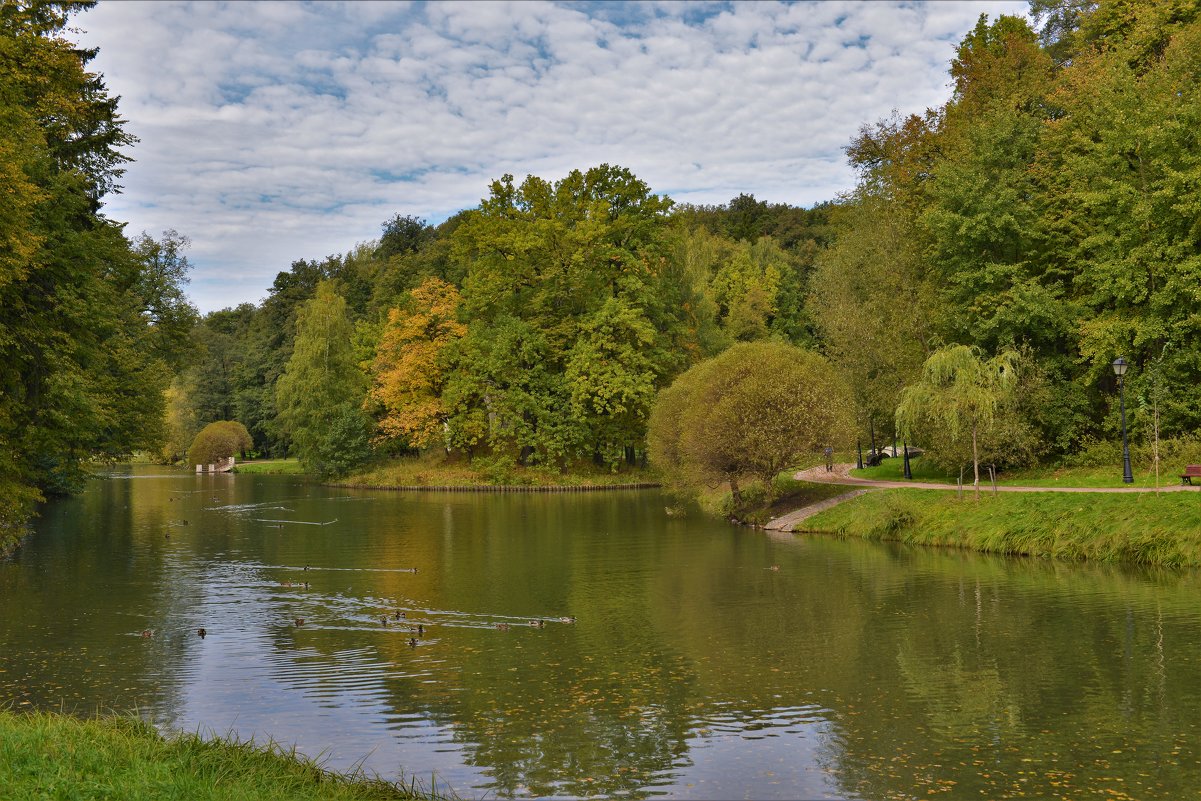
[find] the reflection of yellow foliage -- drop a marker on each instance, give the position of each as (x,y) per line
(406,375)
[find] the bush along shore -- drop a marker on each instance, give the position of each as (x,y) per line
(1142,528)
(48,755)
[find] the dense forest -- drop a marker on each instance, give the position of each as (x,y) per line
(92,323)
(1051,209)
(536,328)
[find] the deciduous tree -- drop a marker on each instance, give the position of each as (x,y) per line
(961,391)
(322,386)
(409,366)
(748,413)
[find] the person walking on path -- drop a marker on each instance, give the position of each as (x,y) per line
(829,454)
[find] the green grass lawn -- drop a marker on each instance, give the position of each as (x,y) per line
(1096,477)
(51,756)
(270,466)
(893,470)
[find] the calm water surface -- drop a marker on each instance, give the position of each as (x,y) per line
(693,669)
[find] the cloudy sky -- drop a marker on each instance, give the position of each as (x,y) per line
(274,131)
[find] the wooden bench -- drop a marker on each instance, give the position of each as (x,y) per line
(1190,472)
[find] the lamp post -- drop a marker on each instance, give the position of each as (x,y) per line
(1119,369)
(908,472)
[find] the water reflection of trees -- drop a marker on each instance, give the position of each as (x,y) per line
(574,720)
(937,670)
(594,707)
(76,601)
(1008,677)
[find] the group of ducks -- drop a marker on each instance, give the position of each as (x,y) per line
(399,615)
(537,623)
(200,632)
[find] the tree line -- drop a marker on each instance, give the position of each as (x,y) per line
(536,328)
(92,322)
(1047,211)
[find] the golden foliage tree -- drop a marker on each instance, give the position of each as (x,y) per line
(180,422)
(407,374)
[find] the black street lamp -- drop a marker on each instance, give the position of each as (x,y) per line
(1119,369)
(908,472)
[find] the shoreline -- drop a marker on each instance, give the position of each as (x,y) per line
(89,757)
(1143,528)
(496,487)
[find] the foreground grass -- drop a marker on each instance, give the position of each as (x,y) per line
(1142,528)
(424,472)
(270,466)
(45,756)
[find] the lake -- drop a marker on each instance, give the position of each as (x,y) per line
(704,660)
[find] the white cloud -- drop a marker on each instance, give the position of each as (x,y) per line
(276,131)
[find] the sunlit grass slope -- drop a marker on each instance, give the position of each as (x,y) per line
(1143,528)
(272,466)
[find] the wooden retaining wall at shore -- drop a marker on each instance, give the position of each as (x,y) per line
(497,487)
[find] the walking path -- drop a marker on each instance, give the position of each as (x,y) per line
(841,474)
(788,522)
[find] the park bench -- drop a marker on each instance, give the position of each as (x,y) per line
(1190,472)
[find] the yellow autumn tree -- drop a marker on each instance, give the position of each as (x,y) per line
(407,373)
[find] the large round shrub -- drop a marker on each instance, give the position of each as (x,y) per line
(218,441)
(749,412)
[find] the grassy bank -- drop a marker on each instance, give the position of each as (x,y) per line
(45,756)
(1144,528)
(270,466)
(427,472)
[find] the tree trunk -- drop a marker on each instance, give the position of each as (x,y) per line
(975,464)
(736,497)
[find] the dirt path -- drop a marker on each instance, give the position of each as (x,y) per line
(842,475)
(789,521)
